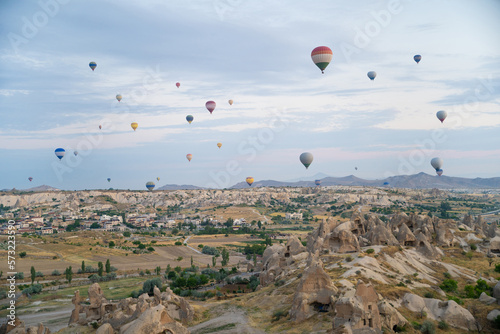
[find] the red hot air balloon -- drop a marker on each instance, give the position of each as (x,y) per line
(30,178)
(178,84)
(210,106)
(322,56)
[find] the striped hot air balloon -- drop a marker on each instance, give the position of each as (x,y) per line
(30,178)
(249,180)
(210,106)
(189,156)
(317,182)
(92,65)
(150,185)
(119,97)
(60,153)
(417,58)
(322,56)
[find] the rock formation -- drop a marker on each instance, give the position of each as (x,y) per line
(155,320)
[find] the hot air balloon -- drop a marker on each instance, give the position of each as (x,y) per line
(100,127)
(92,65)
(230,102)
(417,58)
(109,179)
(75,153)
(322,56)
(441,115)
(437,163)
(189,157)
(119,97)
(189,118)
(134,125)
(178,84)
(317,182)
(60,153)
(150,185)
(219,145)
(158,179)
(371,75)
(249,180)
(439,172)
(210,106)
(386,183)
(306,158)
(30,178)
(356,168)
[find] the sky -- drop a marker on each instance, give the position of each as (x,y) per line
(256,53)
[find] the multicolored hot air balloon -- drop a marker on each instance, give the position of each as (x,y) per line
(306,158)
(322,56)
(93,65)
(317,182)
(189,156)
(30,178)
(60,153)
(417,58)
(249,180)
(441,115)
(109,179)
(219,145)
(178,84)
(150,185)
(230,102)
(100,127)
(371,75)
(158,179)
(119,97)
(134,125)
(189,118)
(437,163)
(210,106)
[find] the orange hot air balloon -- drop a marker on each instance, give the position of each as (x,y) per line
(219,145)
(189,157)
(134,125)
(230,102)
(249,180)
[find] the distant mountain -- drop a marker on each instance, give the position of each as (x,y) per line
(317,176)
(415,181)
(178,187)
(42,188)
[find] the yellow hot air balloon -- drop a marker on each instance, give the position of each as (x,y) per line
(189,157)
(134,125)
(219,145)
(157,179)
(249,180)
(230,102)
(119,97)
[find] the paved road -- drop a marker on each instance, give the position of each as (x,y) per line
(185,243)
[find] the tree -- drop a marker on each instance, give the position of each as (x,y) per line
(254,259)
(449,285)
(108,266)
(469,255)
(22,254)
(214,261)
(101,269)
(158,270)
(229,222)
(191,260)
(111,244)
(126,234)
(169,269)
(83,266)
(33,275)
(225,257)
(259,224)
(95,225)
(69,274)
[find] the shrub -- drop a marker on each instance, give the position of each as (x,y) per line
(348,259)
(56,273)
(22,254)
(95,325)
(447,275)
(497,267)
(473,247)
(429,295)
(277,315)
(149,285)
(428,327)
(34,289)
(210,250)
(279,282)
(443,325)
(449,285)
(370,251)
(496,322)
(455,299)
(178,243)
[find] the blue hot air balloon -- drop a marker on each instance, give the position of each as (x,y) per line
(372,75)
(60,153)
(150,185)
(317,182)
(92,65)
(417,58)
(386,183)
(189,118)
(109,179)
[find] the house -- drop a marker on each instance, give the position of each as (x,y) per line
(293,215)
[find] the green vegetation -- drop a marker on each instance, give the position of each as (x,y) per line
(449,285)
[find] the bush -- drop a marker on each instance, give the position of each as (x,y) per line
(210,250)
(455,299)
(348,259)
(447,275)
(149,285)
(429,295)
(279,282)
(473,247)
(496,322)
(178,243)
(370,251)
(22,254)
(19,275)
(277,315)
(95,325)
(56,273)
(449,285)
(34,289)
(497,267)
(428,327)
(443,325)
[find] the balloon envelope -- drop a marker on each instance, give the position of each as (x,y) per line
(317,182)
(150,185)
(439,172)
(441,115)
(134,125)
(100,127)
(157,179)
(386,183)
(119,97)
(189,157)
(60,153)
(417,58)
(306,158)
(189,118)
(372,75)
(178,84)
(75,153)
(219,145)
(437,163)
(210,106)
(109,179)
(322,56)
(249,180)
(93,65)
(230,102)
(30,178)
